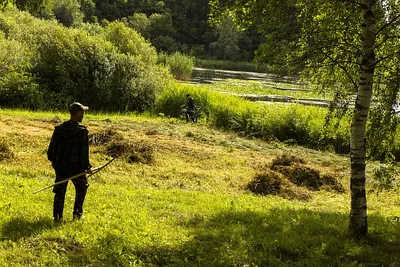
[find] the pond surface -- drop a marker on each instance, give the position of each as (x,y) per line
(201,75)
(211,76)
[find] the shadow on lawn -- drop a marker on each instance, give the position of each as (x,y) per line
(280,237)
(18,228)
(277,237)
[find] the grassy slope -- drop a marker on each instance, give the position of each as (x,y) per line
(189,207)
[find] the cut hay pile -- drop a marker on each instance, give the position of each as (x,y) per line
(133,152)
(290,178)
(5,151)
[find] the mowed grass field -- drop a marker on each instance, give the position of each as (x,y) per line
(179,195)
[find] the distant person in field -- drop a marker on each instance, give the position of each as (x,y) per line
(189,108)
(69,154)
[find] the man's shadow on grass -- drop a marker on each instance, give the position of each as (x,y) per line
(19,227)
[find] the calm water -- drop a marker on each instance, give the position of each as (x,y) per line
(201,75)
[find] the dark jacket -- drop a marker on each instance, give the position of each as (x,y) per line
(190,104)
(69,148)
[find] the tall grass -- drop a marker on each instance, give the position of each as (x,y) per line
(288,123)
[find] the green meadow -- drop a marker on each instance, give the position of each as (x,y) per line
(185,195)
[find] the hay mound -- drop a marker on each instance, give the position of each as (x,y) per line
(329,183)
(289,178)
(103,137)
(266,183)
(132,152)
(272,182)
(5,151)
(295,192)
(294,169)
(301,175)
(286,160)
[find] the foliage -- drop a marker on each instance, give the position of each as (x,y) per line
(162,33)
(111,70)
(140,23)
(173,26)
(17,86)
(169,25)
(67,12)
(349,47)
(232,44)
(129,42)
(385,177)
(88,9)
(180,65)
(226,47)
(34,7)
(319,40)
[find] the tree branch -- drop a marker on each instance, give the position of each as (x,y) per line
(395,37)
(385,57)
(387,25)
(340,66)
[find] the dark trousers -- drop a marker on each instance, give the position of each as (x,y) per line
(189,115)
(81,185)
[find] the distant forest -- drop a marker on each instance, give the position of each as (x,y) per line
(170,25)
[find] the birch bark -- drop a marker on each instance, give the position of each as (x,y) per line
(358,225)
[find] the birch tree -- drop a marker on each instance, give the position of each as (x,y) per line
(348,46)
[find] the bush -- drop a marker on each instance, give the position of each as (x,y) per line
(17,86)
(129,42)
(181,66)
(114,70)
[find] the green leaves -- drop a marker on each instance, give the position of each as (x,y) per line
(112,69)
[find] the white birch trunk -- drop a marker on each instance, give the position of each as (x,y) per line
(358,226)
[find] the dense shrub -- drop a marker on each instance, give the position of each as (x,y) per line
(113,70)
(129,42)
(180,65)
(17,87)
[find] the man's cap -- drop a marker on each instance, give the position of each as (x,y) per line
(76,106)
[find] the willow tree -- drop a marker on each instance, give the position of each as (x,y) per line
(349,46)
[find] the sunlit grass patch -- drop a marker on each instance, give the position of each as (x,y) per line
(190,206)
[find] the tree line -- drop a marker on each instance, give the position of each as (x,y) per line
(171,26)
